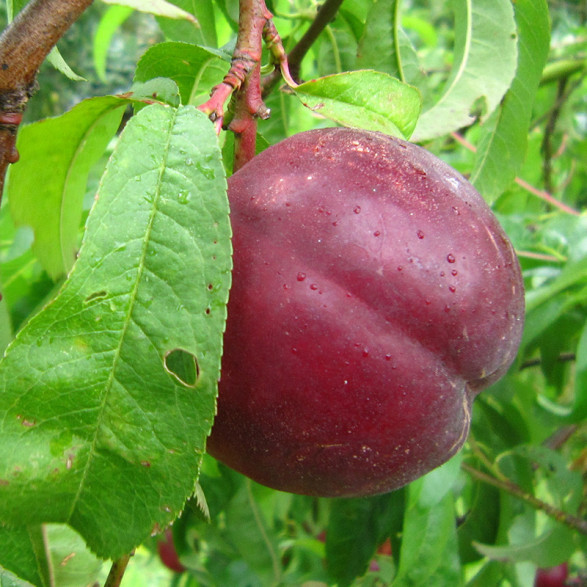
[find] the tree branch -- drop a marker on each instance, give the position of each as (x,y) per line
(324,16)
(117,571)
(510,487)
(24,45)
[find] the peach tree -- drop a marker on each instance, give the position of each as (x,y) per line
(124,127)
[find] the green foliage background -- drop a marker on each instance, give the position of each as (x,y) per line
(501,87)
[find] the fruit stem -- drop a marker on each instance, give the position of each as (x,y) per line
(23,47)
(510,487)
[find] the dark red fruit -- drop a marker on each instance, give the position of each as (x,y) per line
(374,295)
(552,577)
(168,554)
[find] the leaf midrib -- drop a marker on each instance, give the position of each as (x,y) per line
(133,297)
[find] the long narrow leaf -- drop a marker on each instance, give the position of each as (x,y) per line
(502,148)
(485,58)
(47,186)
(109,393)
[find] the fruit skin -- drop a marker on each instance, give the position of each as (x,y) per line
(552,577)
(168,554)
(374,295)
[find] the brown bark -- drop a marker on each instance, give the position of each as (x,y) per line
(23,48)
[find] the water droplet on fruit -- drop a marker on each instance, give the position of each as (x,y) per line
(442,274)
(335,223)
(294,350)
(456,210)
(447,308)
(388,357)
(450,258)
(189,162)
(377,233)
(452,288)
(427,302)
(357,209)
(313,287)
(365,352)
(420,172)
(420,234)
(454,272)
(301,276)
(399,268)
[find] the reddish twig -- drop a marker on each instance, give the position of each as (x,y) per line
(523,184)
(324,16)
(23,48)
(244,78)
(253,15)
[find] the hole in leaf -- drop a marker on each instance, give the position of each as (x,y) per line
(183,365)
(97,295)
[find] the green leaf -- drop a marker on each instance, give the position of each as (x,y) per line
(251,533)
(429,552)
(71,562)
(356,528)
(56,60)
(109,24)
(573,274)
(485,59)
(161,89)
(372,100)
(97,430)
(377,46)
(504,140)
(386,47)
(204,34)
(194,69)
(23,553)
(551,547)
(47,186)
(8,579)
(156,7)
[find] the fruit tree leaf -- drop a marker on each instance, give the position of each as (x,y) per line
(56,60)
(98,430)
(8,579)
(429,551)
(47,186)
(356,528)
(110,22)
(367,99)
(156,7)
(552,547)
(180,30)
(23,553)
(485,58)
(72,564)
(385,46)
(194,69)
(504,139)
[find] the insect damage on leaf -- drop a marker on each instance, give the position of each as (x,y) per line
(182,365)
